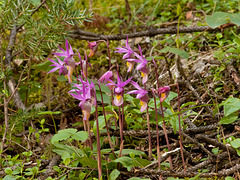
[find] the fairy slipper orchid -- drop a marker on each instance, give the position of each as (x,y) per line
(141,95)
(163,92)
(93,48)
(142,66)
(119,90)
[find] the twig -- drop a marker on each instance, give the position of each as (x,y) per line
(84,35)
(215,143)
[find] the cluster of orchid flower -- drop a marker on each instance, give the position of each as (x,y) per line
(85,91)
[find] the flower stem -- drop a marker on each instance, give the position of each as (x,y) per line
(104,114)
(164,126)
(166,136)
(149,132)
(180,131)
(120,124)
(158,150)
(98,145)
(123,120)
(89,134)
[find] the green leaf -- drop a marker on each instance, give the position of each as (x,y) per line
(128,151)
(106,98)
(56,168)
(217,19)
(89,162)
(114,174)
(49,112)
(229,119)
(18,170)
(238,152)
(101,123)
(231,105)
(9,177)
(237,41)
(215,151)
(235,143)
(234,18)
(137,161)
(125,161)
(60,148)
(171,96)
(229,178)
(8,171)
(195,177)
(63,135)
(66,158)
(174,123)
(80,136)
(104,88)
(181,53)
(179,10)
(188,104)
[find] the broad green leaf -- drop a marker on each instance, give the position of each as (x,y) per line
(80,136)
(105,151)
(238,152)
(217,19)
(137,161)
(60,148)
(229,178)
(228,119)
(9,177)
(106,98)
(215,151)
(220,18)
(125,161)
(235,143)
(237,41)
(101,123)
(18,170)
(137,111)
(66,157)
(8,171)
(174,123)
(231,105)
(171,96)
(114,174)
(181,53)
(63,135)
(104,88)
(234,18)
(88,162)
(128,151)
